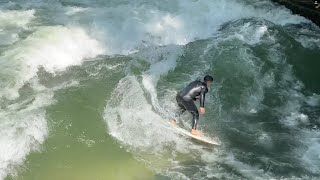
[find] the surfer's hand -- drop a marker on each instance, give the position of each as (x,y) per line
(202,110)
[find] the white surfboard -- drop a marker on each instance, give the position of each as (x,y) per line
(200,138)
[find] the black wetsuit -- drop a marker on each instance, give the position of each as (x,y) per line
(195,90)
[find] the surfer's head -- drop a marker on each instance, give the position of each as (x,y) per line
(208,80)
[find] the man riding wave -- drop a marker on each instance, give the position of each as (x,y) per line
(196,90)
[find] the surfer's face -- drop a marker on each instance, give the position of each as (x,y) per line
(209,84)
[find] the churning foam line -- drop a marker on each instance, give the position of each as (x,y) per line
(17,19)
(130,27)
(24,129)
(53,48)
(13,22)
(162,60)
(132,121)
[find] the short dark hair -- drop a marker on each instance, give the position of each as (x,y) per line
(208,78)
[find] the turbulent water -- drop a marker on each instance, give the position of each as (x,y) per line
(87,87)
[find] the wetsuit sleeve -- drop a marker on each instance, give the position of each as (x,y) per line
(202,97)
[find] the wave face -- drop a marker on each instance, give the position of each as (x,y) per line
(94,82)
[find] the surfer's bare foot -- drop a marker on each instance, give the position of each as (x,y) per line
(196,132)
(173,122)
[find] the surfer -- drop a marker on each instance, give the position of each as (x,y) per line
(195,90)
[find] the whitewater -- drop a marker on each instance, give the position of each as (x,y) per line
(87,88)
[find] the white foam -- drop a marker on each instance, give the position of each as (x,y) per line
(23,129)
(290,89)
(246,170)
(313,100)
(309,42)
(251,34)
(130,119)
(16,18)
(201,19)
(74,10)
(293,118)
(309,153)
(253,111)
(169,28)
(23,125)
(308,37)
(125,28)
(133,122)
(11,23)
(162,61)
(129,27)
(8,37)
(53,48)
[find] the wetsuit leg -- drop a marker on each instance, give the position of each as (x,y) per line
(182,109)
(192,108)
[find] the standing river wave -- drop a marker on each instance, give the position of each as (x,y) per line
(87,87)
